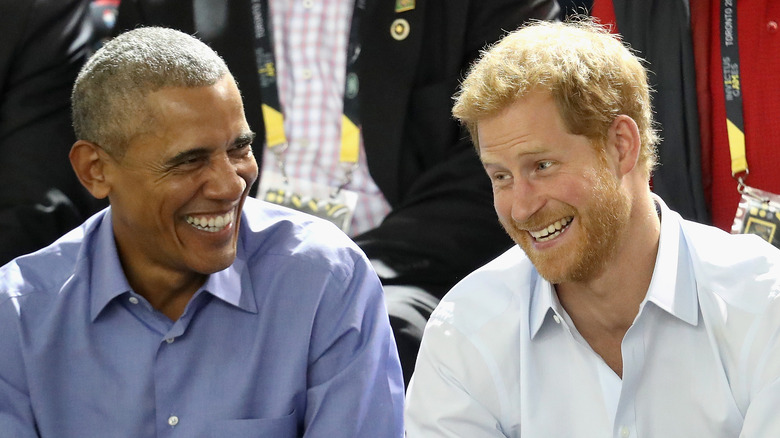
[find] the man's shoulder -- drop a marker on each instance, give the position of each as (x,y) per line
(276,231)
(741,267)
(488,291)
(715,247)
(45,271)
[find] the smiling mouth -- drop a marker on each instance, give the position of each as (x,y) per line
(551,231)
(212,224)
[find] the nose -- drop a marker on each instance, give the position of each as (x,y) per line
(526,200)
(224,180)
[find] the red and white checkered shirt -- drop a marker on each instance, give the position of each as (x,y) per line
(310,47)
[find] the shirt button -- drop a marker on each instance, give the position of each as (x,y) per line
(771,26)
(133,300)
(308,4)
(173,420)
(169,340)
(306,74)
(624,432)
(557,319)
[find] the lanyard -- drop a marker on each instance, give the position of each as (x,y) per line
(732,88)
(273,116)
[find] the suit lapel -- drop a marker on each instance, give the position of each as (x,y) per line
(387,71)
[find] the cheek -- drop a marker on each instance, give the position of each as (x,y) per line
(248,171)
(169,199)
(502,203)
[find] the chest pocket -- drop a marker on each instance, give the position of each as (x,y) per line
(280,427)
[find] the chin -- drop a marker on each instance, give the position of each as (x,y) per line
(213,263)
(559,265)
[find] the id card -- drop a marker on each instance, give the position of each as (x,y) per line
(758,213)
(310,197)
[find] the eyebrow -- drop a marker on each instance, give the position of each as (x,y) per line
(245,138)
(186,156)
(539,150)
(199,152)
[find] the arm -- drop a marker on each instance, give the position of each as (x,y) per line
(451,394)
(443,224)
(16,418)
(45,43)
(16,415)
(355,388)
(760,358)
(761,418)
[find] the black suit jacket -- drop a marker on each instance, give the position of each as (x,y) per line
(44,43)
(442,225)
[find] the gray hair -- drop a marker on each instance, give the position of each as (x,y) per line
(108,96)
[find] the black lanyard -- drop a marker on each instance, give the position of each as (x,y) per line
(732,87)
(273,116)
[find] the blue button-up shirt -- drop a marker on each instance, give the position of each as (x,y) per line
(291,340)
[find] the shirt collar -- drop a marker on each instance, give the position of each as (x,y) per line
(108,281)
(672,287)
(543,300)
(233,284)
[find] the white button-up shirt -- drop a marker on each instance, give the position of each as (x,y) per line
(501,358)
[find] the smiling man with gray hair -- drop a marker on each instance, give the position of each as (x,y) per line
(185,309)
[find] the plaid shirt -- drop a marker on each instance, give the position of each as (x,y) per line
(310,46)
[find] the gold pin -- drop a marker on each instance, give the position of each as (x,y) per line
(399,30)
(404,5)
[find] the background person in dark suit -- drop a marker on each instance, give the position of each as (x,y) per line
(44,43)
(412,55)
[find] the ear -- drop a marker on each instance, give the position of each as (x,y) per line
(624,142)
(88,161)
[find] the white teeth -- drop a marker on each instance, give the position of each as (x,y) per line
(211,224)
(552,231)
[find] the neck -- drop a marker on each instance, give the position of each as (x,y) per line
(604,307)
(169,292)
(616,291)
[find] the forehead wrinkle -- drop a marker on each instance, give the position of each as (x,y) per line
(527,150)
